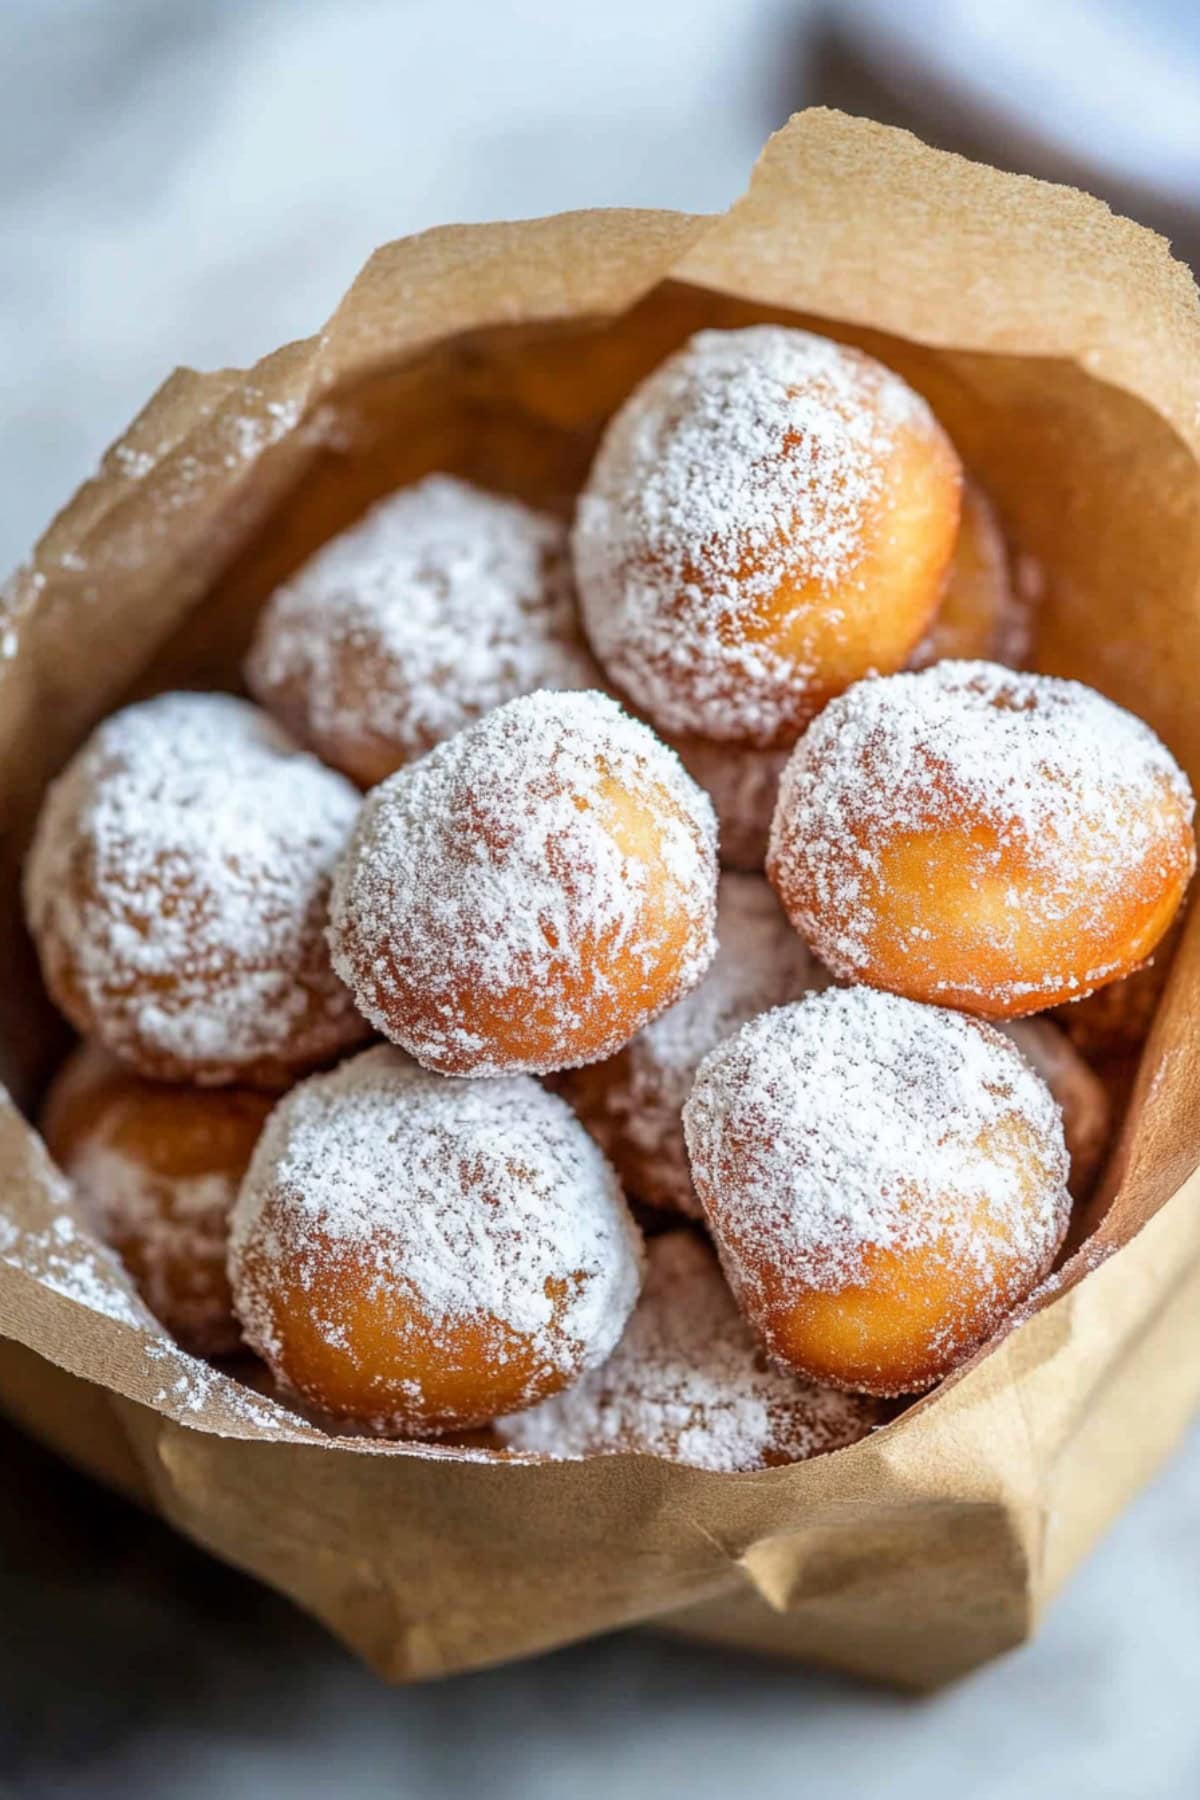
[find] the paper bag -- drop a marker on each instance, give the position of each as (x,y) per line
(1061,348)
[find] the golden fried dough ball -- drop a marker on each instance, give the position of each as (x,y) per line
(981,615)
(442,603)
(156,1168)
(420,1255)
(531,893)
(770,516)
(884,1182)
(177,891)
(979,838)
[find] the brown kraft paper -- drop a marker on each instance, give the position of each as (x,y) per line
(1061,348)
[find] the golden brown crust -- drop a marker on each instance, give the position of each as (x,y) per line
(981,839)
(177,891)
(156,1168)
(770,516)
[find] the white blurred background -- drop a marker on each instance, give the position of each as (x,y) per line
(196,181)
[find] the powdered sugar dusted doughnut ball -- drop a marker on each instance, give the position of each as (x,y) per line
(687,1382)
(440,604)
(633,1103)
(1077,1090)
(529,894)
(994,841)
(982,615)
(743,785)
(769,516)
(884,1182)
(156,1168)
(420,1255)
(177,891)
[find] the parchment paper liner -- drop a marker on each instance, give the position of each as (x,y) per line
(1061,346)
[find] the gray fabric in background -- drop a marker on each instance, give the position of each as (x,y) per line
(197,180)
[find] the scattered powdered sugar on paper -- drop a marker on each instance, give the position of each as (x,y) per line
(189,1387)
(499,869)
(634,1103)
(249,434)
(67,1258)
(854,1120)
(133,463)
(687,1382)
(442,603)
(1083,792)
(70,1261)
(747,458)
(178,886)
(19,595)
(484,1201)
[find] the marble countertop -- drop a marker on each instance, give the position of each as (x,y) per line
(195,184)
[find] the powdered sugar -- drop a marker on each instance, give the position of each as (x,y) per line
(69,1261)
(180,1246)
(743,785)
(196,1392)
(505,880)
(442,603)
(746,459)
(854,1121)
(177,890)
(1080,792)
(634,1103)
(486,1202)
(688,1383)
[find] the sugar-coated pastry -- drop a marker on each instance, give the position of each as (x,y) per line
(1116,1021)
(252,1373)
(688,1383)
(633,1103)
(421,1255)
(156,1168)
(770,516)
(984,839)
(443,602)
(884,1182)
(177,892)
(529,894)
(1077,1090)
(983,616)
